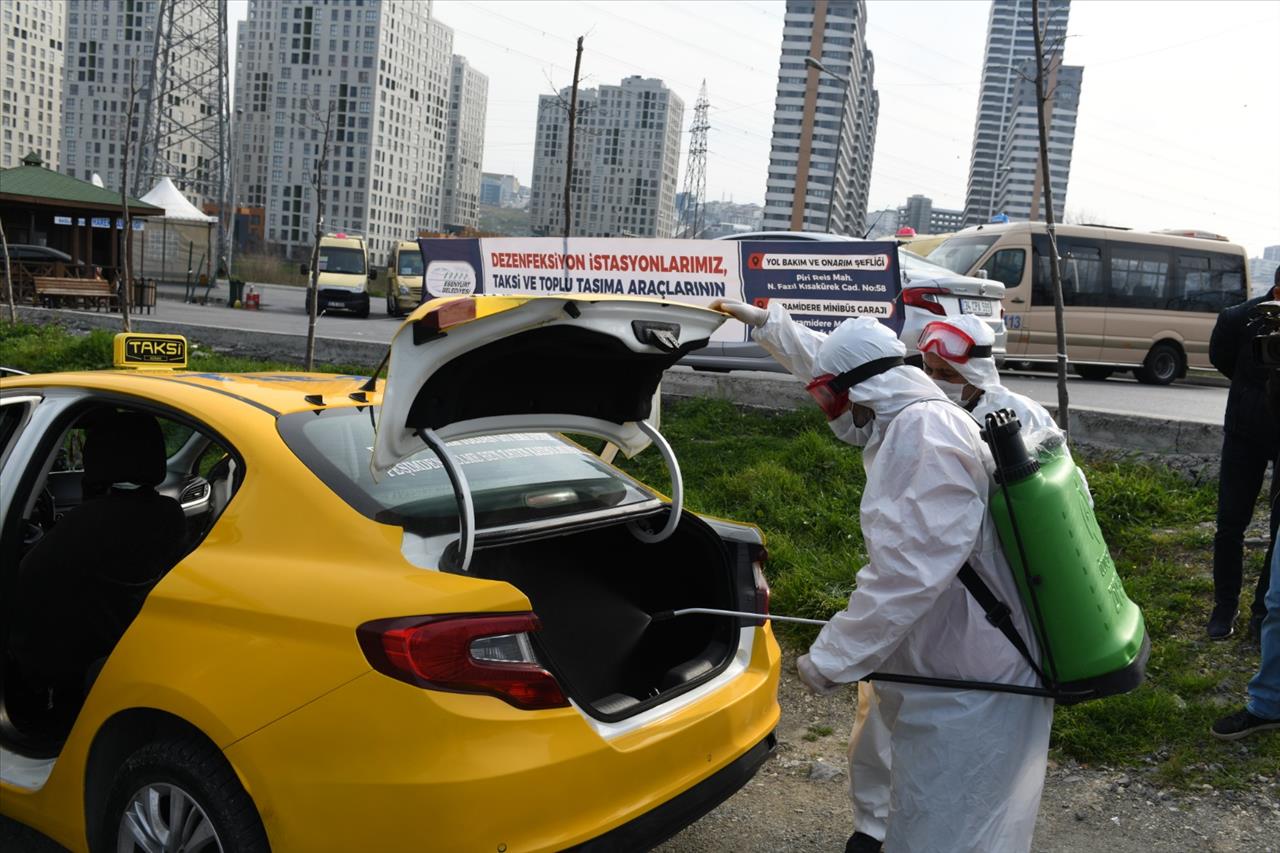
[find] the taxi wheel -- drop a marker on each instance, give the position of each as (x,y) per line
(180,794)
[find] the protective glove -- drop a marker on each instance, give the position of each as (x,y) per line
(814,680)
(749,314)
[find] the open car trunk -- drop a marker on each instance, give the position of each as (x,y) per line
(594,593)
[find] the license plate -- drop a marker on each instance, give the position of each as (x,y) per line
(980,307)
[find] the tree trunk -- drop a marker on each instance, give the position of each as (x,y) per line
(313,286)
(1055,271)
(8,277)
(122,274)
(568,169)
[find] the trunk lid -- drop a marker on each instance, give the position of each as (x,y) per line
(474,365)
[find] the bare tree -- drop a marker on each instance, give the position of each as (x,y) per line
(1055,272)
(317,183)
(573,121)
(8,277)
(126,226)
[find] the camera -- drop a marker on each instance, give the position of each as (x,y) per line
(1266,346)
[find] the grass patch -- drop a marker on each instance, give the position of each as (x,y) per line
(52,348)
(816,732)
(787,474)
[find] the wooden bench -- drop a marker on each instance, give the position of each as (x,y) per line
(99,291)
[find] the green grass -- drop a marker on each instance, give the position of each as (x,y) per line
(47,349)
(786,473)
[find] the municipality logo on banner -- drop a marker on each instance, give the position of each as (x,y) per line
(450,278)
(819,283)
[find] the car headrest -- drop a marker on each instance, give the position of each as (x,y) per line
(124,447)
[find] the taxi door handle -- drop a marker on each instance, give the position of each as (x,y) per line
(1017,299)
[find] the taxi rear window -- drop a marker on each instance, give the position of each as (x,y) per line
(515,478)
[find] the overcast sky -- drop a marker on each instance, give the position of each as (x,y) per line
(1179,120)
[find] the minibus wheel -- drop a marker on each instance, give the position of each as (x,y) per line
(1162,365)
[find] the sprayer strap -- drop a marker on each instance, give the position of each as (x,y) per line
(998,614)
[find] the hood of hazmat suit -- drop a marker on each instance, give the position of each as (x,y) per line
(982,374)
(964,768)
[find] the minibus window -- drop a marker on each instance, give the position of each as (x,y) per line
(1139,277)
(1006,266)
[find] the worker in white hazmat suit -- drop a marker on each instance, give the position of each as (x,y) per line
(958,356)
(961,769)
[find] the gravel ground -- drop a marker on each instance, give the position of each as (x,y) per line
(799,800)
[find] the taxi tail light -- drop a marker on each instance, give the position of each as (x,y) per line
(487,653)
(758,558)
(926,298)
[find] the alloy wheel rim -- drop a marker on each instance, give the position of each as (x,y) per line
(163,818)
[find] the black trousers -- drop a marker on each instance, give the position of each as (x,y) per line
(1244,465)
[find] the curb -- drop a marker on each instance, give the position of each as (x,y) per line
(1095,427)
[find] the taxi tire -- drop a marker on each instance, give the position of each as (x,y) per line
(200,770)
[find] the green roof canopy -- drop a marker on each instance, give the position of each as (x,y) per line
(34,184)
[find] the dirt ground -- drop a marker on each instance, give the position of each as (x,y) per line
(799,800)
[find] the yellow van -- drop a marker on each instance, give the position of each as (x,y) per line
(1133,300)
(404,278)
(344,275)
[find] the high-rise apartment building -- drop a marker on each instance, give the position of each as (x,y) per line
(379,72)
(1271,253)
(625,163)
(920,214)
(109,47)
(1004,172)
(31,97)
(824,126)
(464,147)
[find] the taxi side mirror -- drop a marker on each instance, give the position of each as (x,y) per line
(302,269)
(373,273)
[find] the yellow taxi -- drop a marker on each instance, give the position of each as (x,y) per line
(311,612)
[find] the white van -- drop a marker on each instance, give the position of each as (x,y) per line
(1133,300)
(344,275)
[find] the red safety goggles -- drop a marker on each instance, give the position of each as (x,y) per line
(950,343)
(831,391)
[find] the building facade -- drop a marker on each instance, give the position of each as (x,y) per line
(109,46)
(378,75)
(31,97)
(920,214)
(464,147)
(824,128)
(625,163)
(1004,170)
(1271,253)
(499,190)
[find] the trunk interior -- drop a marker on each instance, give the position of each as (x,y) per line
(594,593)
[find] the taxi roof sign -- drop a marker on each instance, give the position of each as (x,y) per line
(145,351)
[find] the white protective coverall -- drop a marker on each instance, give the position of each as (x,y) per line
(949,770)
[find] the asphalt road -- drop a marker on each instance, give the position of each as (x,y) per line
(282,311)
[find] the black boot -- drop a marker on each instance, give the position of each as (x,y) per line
(860,842)
(1221,621)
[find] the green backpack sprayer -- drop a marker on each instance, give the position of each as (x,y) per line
(1092,638)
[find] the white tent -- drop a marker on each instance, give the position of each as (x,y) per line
(177,247)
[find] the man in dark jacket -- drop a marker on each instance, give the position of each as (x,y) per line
(1250,439)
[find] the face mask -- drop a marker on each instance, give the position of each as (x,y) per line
(954,392)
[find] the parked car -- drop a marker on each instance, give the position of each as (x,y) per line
(928,292)
(38,254)
(253,610)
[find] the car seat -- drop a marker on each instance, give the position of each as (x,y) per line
(83,583)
